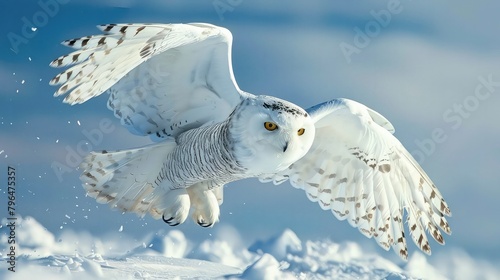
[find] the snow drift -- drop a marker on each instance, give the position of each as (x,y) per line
(169,255)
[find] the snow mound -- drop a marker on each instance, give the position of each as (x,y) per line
(35,239)
(172,244)
(169,255)
(266,268)
(279,246)
(419,267)
(220,251)
(318,260)
(226,247)
(327,260)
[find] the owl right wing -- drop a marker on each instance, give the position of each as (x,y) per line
(358,170)
(163,79)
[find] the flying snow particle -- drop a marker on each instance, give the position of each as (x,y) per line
(29,58)
(121,228)
(78,122)
(33,29)
(22,82)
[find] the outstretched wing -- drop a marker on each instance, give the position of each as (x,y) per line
(357,169)
(163,79)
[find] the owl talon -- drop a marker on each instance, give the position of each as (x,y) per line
(167,220)
(202,223)
(176,207)
(205,205)
(170,221)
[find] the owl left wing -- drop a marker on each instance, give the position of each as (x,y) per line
(163,79)
(357,169)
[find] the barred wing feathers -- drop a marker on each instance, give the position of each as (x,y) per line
(127,180)
(357,169)
(163,79)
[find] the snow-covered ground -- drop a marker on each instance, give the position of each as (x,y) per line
(169,255)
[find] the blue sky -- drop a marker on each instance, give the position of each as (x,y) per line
(431,68)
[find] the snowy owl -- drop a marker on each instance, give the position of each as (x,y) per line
(175,83)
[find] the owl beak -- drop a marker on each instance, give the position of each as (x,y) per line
(285,147)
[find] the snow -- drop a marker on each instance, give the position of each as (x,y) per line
(265,268)
(279,246)
(168,254)
(172,244)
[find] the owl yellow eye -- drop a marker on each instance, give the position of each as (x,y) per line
(270,126)
(301,131)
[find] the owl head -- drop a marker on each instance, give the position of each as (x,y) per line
(269,134)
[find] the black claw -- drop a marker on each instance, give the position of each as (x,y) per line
(168,221)
(203,224)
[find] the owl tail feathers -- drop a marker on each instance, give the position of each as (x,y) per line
(128,180)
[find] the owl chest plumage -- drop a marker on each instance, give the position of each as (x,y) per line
(204,154)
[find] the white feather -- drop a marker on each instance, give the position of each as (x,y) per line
(127,180)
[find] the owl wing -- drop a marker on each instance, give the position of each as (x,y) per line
(163,79)
(357,169)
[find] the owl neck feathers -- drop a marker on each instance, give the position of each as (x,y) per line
(212,155)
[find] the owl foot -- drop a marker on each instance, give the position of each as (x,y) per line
(206,218)
(205,206)
(177,207)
